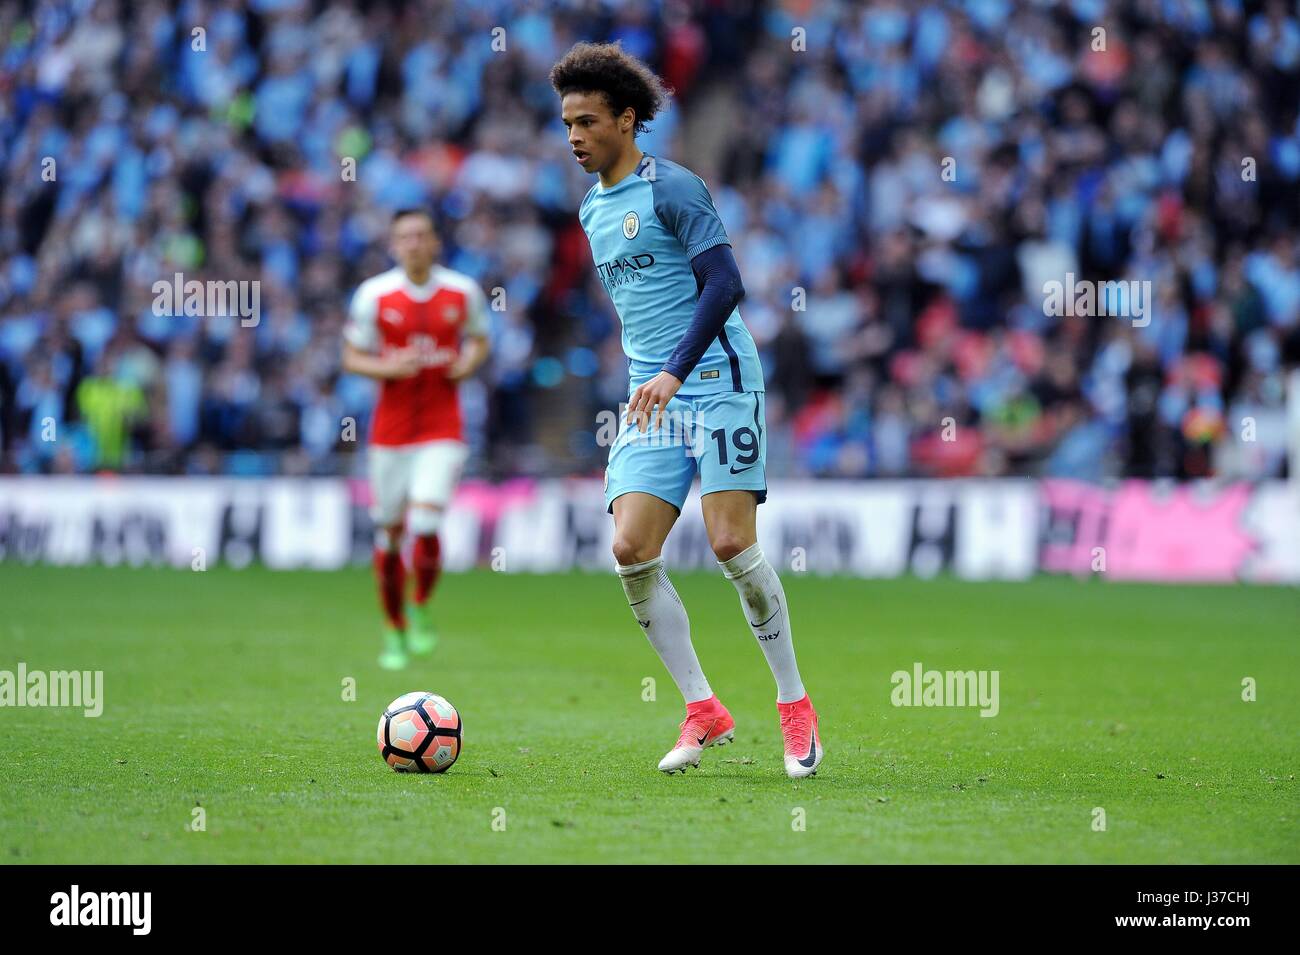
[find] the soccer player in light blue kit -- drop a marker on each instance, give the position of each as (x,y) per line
(696,401)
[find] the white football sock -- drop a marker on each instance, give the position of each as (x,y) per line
(763,600)
(663,618)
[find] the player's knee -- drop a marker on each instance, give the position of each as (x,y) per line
(388,539)
(424,519)
(727,545)
(628,550)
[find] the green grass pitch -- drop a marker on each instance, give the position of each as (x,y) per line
(224,689)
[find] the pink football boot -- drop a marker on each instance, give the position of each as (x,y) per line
(707,724)
(803,744)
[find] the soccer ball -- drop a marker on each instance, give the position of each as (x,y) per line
(419,733)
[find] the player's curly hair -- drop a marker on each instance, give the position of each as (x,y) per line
(624,80)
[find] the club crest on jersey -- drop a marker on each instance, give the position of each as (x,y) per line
(631,225)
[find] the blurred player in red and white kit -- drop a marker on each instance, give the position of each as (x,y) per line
(419,329)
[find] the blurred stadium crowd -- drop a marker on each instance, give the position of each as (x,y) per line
(899,179)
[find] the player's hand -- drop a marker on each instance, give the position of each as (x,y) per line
(404,364)
(458,370)
(654,394)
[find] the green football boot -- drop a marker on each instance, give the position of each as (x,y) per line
(393,656)
(421,638)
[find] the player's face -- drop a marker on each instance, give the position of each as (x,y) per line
(596,135)
(414,244)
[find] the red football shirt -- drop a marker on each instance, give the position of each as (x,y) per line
(389,313)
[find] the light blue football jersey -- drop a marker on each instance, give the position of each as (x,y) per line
(644,231)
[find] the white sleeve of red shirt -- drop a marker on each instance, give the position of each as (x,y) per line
(363,316)
(476,318)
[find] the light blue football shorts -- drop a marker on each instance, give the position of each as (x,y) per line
(721,436)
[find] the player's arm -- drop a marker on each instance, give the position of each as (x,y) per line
(720,290)
(717,279)
(474,351)
(474,346)
(401,364)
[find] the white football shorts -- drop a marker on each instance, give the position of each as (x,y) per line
(412,474)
